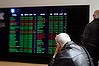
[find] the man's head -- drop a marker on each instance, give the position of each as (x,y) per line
(62,39)
(96,14)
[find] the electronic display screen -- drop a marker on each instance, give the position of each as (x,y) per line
(32,30)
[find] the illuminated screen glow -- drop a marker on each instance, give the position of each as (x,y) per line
(31,31)
(35,32)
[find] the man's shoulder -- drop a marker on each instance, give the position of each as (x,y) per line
(70,51)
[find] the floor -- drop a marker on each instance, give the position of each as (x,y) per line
(8,63)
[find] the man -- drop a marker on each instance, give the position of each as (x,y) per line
(90,37)
(68,53)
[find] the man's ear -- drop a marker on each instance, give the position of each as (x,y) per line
(60,45)
(94,16)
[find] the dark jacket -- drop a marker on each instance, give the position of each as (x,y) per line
(71,55)
(91,34)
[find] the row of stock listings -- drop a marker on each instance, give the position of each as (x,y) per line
(35,33)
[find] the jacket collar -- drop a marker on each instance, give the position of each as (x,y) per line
(67,45)
(96,19)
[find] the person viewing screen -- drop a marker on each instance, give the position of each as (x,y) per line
(68,53)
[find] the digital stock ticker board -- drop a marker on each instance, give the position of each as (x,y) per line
(32,30)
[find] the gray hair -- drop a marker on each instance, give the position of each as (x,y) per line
(96,13)
(62,38)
